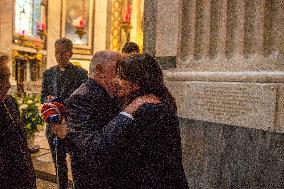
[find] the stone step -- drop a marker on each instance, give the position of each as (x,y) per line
(42,184)
(44,166)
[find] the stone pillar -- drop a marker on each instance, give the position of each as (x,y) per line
(202,29)
(6,26)
(188,30)
(168,27)
(280,33)
(150,21)
(162,29)
(273,27)
(254,27)
(235,28)
(6,30)
(218,28)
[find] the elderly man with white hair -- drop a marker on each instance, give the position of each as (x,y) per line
(91,107)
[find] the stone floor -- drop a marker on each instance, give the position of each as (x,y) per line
(42,184)
(43,164)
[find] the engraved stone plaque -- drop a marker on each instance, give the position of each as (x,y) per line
(179,91)
(239,104)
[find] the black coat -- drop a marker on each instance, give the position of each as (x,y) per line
(16,169)
(90,108)
(62,83)
(140,153)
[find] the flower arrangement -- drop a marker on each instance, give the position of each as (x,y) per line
(29,105)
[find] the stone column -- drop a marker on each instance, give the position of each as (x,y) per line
(6,30)
(280,17)
(218,28)
(150,21)
(188,30)
(202,29)
(235,28)
(254,27)
(6,26)
(274,27)
(168,27)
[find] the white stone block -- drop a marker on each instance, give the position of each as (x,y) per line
(251,105)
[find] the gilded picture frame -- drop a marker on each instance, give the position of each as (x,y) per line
(77,18)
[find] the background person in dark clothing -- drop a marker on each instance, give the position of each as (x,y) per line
(130,48)
(16,169)
(59,82)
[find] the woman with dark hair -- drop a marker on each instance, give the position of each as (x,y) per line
(16,169)
(150,156)
(142,71)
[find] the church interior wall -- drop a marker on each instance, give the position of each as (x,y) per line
(100,34)
(223,62)
(103,33)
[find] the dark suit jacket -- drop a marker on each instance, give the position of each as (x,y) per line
(90,108)
(140,153)
(16,169)
(62,83)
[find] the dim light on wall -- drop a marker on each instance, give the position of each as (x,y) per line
(37,44)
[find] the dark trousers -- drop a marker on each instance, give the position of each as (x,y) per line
(89,173)
(61,164)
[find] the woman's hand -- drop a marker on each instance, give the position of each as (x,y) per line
(139,101)
(60,130)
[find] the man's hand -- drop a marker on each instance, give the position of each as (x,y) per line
(60,130)
(139,101)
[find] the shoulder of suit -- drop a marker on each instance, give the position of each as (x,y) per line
(9,98)
(150,106)
(85,89)
(92,93)
(80,90)
(50,70)
(79,69)
(154,112)
(86,95)
(12,101)
(151,109)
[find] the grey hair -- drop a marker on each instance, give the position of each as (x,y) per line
(103,57)
(67,43)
